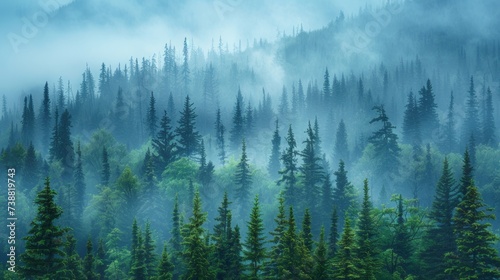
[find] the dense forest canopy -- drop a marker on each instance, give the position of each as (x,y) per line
(365,149)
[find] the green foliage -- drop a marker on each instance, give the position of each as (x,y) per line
(243,178)
(346,262)
(475,257)
(89,263)
(43,254)
(321,262)
(188,136)
(165,267)
(255,252)
(290,169)
(73,269)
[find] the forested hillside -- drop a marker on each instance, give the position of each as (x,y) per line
(368,149)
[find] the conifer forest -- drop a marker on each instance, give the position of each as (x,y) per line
(227,140)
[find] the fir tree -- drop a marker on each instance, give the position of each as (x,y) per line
(237,131)
(101,260)
(189,138)
(274,160)
(488,123)
(334,235)
(89,263)
(105,171)
(165,267)
(271,270)
(342,192)
(138,265)
(28,121)
(366,238)
(306,231)
(440,238)
(411,123)
(149,252)
(326,202)
(55,143)
(65,152)
(471,122)
(401,247)
(196,253)
(222,234)
(427,115)
(73,269)
(475,257)
(385,142)
(243,178)
(467,176)
(206,170)
(44,118)
(346,261)
(290,169)
(176,242)
(341,147)
(151,117)
(450,139)
(164,144)
(220,129)
(327,95)
(185,68)
(79,183)
(255,252)
(321,263)
(31,169)
(42,257)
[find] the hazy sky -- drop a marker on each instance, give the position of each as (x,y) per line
(37,46)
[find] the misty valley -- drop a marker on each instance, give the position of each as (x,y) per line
(364,149)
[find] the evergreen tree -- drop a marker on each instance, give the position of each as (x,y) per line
(450,140)
(101,260)
(42,257)
(341,147)
(471,122)
(411,123)
(326,202)
(385,142)
(274,165)
(73,269)
(164,144)
(189,138)
(306,231)
(151,117)
(243,178)
(321,263)
(488,123)
(334,234)
(249,120)
(89,263)
(222,234)
(271,270)
(54,142)
(346,261)
(236,268)
(185,69)
(290,169)
(138,265)
(65,152)
(196,253)
(31,170)
(327,94)
(44,118)
(79,183)
(427,115)
(149,252)
(401,247)
(28,121)
(255,252)
(176,242)
(475,258)
(467,176)
(312,174)
(237,131)
(220,129)
(367,238)
(283,107)
(165,267)
(342,192)
(105,171)
(440,238)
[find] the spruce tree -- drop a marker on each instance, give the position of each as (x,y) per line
(274,165)
(326,202)
(346,263)
(220,129)
(196,252)
(44,118)
(65,152)
(471,123)
(176,242)
(427,115)
(290,170)
(450,138)
(306,231)
(476,257)
(164,145)
(54,141)
(367,238)
(401,248)
(334,234)
(152,118)
(89,263)
(138,265)
(149,252)
(222,234)
(271,270)
(165,267)
(206,169)
(101,260)
(42,257)
(31,170)
(255,252)
(236,267)
(188,136)
(321,263)
(79,178)
(185,69)
(385,142)
(237,131)
(411,122)
(440,238)
(243,178)
(341,147)
(488,123)
(467,176)
(342,192)
(72,263)
(105,171)
(28,121)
